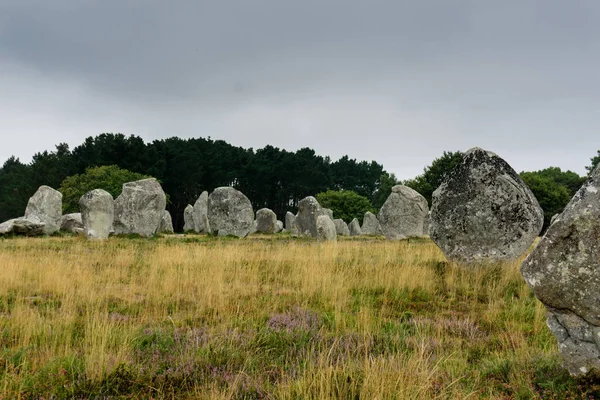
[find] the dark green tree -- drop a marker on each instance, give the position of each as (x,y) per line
(434,174)
(552,196)
(569,179)
(110,178)
(345,204)
(595,161)
(384,185)
(16,186)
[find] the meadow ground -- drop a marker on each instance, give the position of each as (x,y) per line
(279,318)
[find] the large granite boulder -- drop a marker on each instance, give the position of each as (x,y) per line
(354,227)
(305,223)
(483,211)
(341,227)
(325,228)
(200,215)
(403,213)
(265,221)
(166,223)
(97,213)
(139,208)
(188,218)
(289,221)
(23,226)
(370,225)
(71,223)
(563,271)
(46,206)
(278,226)
(229,213)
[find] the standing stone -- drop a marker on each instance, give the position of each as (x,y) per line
(563,271)
(139,208)
(166,223)
(305,223)
(188,218)
(325,228)
(71,223)
(229,213)
(427,224)
(328,212)
(370,225)
(403,213)
(97,213)
(201,213)
(265,221)
(289,221)
(45,206)
(483,211)
(278,226)
(22,226)
(341,227)
(354,227)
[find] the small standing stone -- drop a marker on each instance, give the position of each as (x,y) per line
(97,213)
(325,228)
(341,227)
(354,228)
(230,213)
(188,218)
(265,221)
(46,206)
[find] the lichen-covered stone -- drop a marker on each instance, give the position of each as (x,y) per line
(22,226)
(563,271)
(97,214)
(341,227)
(305,223)
(266,220)
(139,209)
(403,213)
(325,229)
(483,211)
(45,206)
(71,223)
(354,227)
(188,218)
(200,215)
(229,213)
(166,223)
(278,226)
(370,225)
(289,221)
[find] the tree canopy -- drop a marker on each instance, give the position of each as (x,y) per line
(434,174)
(595,161)
(345,204)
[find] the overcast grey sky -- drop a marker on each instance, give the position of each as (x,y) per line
(394,81)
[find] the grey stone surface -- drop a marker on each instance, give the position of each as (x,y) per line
(278,226)
(265,221)
(554,217)
(97,214)
(166,223)
(139,208)
(229,212)
(341,227)
(328,212)
(325,228)
(71,223)
(370,225)
(403,213)
(354,227)
(289,221)
(484,212)
(188,218)
(45,206)
(563,271)
(427,224)
(23,226)
(305,223)
(200,215)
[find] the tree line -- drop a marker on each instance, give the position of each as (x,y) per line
(270,177)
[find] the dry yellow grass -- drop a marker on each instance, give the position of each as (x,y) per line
(266,318)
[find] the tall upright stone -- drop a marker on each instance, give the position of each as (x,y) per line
(266,220)
(403,213)
(563,271)
(139,209)
(229,212)
(325,228)
(166,223)
(97,213)
(289,221)
(305,223)
(200,215)
(354,227)
(483,211)
(46,206)
(341,227)
(370,225)
(188,218)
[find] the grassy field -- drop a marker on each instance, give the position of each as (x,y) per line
(273,318)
